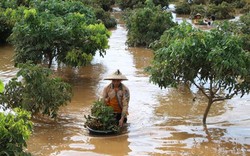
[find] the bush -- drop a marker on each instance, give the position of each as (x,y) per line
(106,18)
(198,1)
(195,9)
(15,129)
(183,8)
(245,9)
(5,27)
(132,4)
(145,25)
(38,92)
(240,4)
(222,11)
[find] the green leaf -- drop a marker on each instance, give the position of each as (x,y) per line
(1,86)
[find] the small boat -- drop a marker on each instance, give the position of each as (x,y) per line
(123,130)
(100,132)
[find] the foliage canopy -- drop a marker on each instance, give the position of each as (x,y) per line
(132,4)
(63,30)
(213,61)
(145,25)
(37,92)
(15,129)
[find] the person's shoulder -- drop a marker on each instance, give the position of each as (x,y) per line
(124,86)
(107,86)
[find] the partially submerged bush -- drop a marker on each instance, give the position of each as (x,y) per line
(106,18)
(222,11)
(102,118)
(38,92)
(145,25)
(183,8)
(15,129)
(195,9)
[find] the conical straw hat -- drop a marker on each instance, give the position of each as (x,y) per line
(116,76)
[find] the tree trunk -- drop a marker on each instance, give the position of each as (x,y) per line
(49,54)
(50,63)
(207,110)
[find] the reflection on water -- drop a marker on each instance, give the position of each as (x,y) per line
(7,69)
(161,122)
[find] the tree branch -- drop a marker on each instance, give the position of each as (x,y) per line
(202,89)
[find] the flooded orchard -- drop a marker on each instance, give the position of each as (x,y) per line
(160,122)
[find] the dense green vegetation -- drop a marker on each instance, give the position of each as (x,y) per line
(214,61)
(147,24)
(38,92)
(221,9)
(241,28)
(65,31)
(98,6)
(132,4)
(15,129)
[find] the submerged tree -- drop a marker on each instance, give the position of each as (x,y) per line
(15,129)
(213,61)
(63,30)
(38,91)
(132,4)
(145,25)
(241,27)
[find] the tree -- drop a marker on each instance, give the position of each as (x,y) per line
(5,29)
(63,30)
(241,27)
(37,92)
(221,11)
(145,25)
(15,129)
(213,61)
(7,23)
(132,4)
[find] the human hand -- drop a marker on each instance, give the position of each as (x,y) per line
(121,121)
(106,100)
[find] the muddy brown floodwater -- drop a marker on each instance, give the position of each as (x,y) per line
(161,122)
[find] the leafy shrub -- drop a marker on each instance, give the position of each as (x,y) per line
(183,8)
(240,4)
(145,25)
(105,17)
(102,118)
(195,9)
(241,28)
(132,4)
(221,11)
(38,91)
(15,129)
(197,1)
(53,28)
(5,26)
(245,9)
